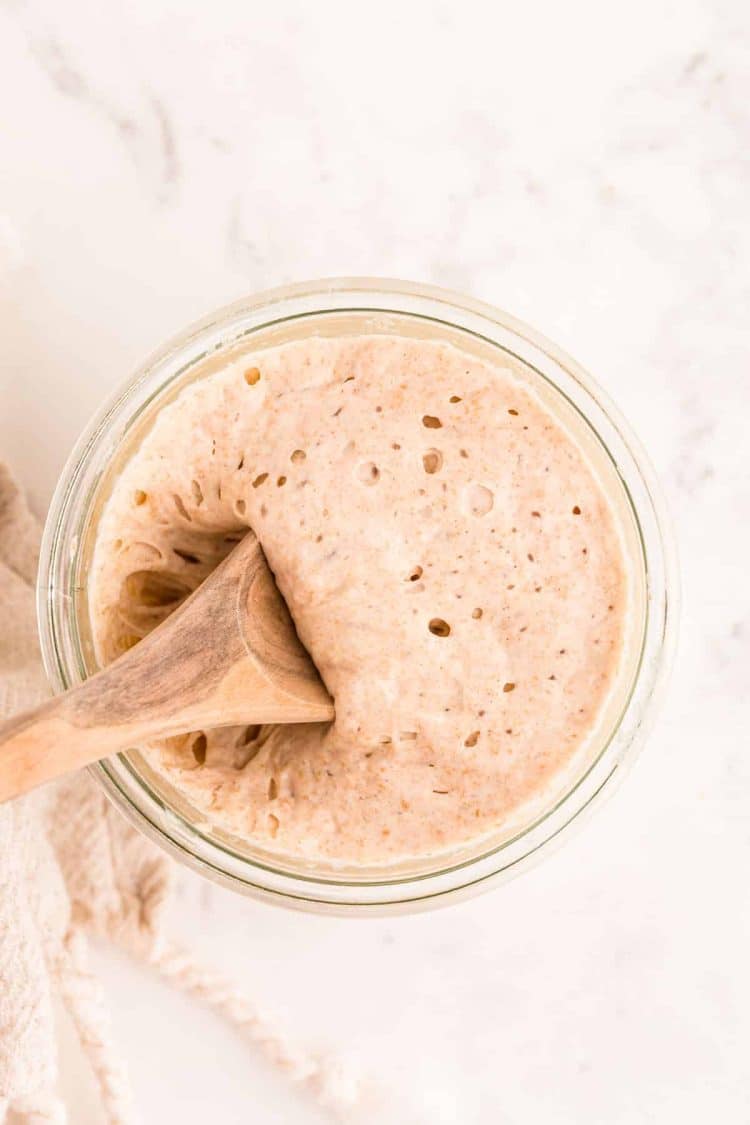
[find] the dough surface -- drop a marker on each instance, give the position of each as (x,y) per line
(450,561)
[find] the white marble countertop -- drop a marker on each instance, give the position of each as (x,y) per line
(584,166)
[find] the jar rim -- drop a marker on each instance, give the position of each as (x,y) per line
(58,587)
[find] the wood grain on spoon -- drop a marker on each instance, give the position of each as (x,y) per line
(228,655)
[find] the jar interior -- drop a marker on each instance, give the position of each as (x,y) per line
(186,822)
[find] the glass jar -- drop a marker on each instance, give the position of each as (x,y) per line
(356,306)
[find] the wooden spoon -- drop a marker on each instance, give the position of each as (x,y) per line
(229,654)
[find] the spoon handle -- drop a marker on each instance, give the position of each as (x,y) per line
(50,740)
(227,655)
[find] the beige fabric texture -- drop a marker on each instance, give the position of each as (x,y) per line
(70,868)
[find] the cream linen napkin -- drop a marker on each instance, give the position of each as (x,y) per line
(71,867)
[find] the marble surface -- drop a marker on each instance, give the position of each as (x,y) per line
(584,166)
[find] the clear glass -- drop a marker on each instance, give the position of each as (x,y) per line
(355,306)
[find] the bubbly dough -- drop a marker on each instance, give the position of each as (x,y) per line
(450,561)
